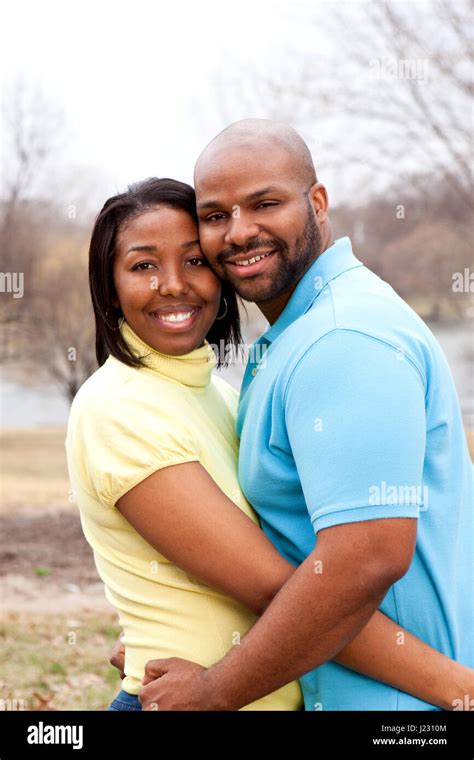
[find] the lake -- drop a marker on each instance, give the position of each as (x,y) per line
(33,406)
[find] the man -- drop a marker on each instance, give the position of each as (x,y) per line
(352,446)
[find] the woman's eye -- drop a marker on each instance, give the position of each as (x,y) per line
(142,265)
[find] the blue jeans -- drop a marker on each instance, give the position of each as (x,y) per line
(125,701)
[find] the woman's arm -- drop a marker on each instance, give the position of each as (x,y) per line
(183,514)
(387,652)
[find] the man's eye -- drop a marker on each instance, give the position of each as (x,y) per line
(217,217)
(195,261)
(143,265)
(267,204)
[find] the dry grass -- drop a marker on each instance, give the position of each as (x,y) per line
(33,470)
(57,662)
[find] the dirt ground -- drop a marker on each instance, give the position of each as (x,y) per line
(46,564)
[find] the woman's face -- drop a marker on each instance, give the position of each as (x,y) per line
(166,290)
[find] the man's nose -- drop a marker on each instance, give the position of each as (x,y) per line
(240,231)
(172,282)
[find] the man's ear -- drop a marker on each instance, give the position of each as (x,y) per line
(319,199)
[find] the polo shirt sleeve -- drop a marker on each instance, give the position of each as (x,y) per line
(355,417)
(121,441)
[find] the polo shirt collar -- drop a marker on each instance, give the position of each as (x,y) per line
(335,260)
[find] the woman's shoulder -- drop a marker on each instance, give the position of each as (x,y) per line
(122,394)
(107,381)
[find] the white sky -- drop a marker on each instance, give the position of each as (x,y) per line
(137,80)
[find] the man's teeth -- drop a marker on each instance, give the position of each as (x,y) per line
(253,260)
(180,317)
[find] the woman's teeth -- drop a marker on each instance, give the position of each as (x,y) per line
(178,317)
(253,260)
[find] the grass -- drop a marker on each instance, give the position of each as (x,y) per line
(58,662)
(33,469)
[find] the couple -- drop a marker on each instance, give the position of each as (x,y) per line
(346,440)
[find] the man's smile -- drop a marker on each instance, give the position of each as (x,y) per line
(248,264)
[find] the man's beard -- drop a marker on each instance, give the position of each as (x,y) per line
(288,271)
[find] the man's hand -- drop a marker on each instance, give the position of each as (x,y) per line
(175,684)
(117,658)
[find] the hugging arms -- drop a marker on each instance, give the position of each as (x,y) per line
(182,513)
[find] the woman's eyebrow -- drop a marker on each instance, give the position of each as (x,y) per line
(147,248)
(153,248)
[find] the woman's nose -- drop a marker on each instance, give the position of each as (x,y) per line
(172,282)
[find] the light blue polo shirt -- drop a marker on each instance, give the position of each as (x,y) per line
(352,415)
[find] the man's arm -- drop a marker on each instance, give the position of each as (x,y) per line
(312,617)
(316,614)
(369,401)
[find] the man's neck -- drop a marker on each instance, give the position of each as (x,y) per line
(272,309)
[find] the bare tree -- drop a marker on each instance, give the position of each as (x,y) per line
(33,129)
(382,93)
(46,331)
(60,343)
(390,100)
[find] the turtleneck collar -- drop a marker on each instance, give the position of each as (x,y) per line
(193,369)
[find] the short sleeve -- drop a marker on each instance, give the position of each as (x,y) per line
(113,446)
(355,417)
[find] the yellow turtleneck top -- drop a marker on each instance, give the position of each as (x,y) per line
(126,423)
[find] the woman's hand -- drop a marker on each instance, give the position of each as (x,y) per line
(117,658)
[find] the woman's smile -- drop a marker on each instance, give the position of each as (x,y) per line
(176,318)
(166,290)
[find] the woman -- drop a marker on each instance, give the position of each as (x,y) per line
(152,455)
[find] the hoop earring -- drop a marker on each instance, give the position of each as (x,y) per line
(225,311)
(119,323)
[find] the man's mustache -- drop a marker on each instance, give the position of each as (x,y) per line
(250,247)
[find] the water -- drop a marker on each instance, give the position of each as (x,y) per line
(30,406)
(43,406)
(458,345)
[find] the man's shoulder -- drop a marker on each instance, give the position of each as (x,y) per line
(368,318)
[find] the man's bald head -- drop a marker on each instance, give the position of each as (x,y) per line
(254,135)
(262,212)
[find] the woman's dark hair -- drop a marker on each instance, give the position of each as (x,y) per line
(119,209)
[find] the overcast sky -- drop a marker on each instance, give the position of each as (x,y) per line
(138,80)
